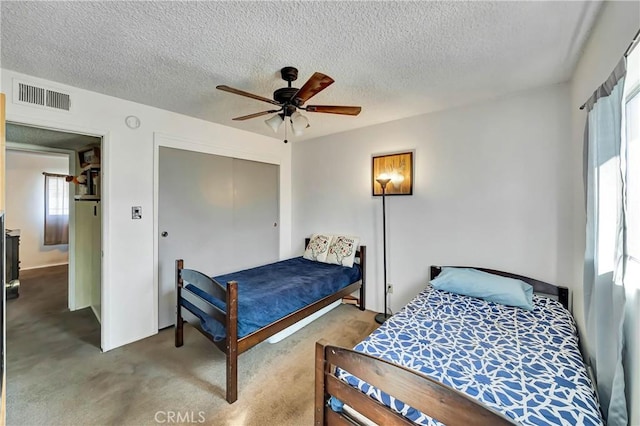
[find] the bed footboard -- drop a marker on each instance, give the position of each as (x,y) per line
(421,392)
(229,318)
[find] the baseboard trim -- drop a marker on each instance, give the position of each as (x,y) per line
(93,308)
(43,266)
(80,307)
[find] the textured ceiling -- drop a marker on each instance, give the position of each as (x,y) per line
(49,138)
(395,59)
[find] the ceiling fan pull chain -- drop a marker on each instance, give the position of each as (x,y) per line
(285,128)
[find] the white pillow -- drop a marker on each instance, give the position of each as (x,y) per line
(317,248)
(342,250)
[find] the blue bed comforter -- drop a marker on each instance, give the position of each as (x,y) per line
(270,292)
(524,364)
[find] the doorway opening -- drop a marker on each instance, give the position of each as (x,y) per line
(59,280)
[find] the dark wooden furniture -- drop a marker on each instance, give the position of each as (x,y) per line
(415,389)
(233,346)
(12,277)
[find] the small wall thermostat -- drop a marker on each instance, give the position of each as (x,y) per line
(136,212)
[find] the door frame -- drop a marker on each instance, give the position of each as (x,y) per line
(161,140)
(104,205)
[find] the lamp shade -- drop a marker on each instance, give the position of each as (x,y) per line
(298,123)
(274,122)
(383,180)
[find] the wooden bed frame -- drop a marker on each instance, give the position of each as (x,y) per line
(233,346)
(415,389)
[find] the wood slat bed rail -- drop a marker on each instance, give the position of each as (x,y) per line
(194,321)
(203,304)
(562,293)
(421,392)
(361,403)
(204,283)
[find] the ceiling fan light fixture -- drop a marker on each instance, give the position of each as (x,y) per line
(298,123)
(274,122)
(297,132)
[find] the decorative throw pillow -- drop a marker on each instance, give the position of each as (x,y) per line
(318,247)
(483,285)
(342,250)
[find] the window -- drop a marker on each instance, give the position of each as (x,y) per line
(58,193)
(56,210)
(632,149)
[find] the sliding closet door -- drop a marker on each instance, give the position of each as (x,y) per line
(217,213)
(255,213)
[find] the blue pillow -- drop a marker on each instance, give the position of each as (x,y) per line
(489,287)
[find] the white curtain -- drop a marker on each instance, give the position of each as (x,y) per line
(604,294)
(56,209)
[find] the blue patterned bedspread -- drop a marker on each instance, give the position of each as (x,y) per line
(523,364)
(270,292)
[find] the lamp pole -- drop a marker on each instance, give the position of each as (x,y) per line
(380,318)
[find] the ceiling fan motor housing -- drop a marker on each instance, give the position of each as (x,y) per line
(289,73)
(284,95)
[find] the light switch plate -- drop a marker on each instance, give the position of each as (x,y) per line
(136,212)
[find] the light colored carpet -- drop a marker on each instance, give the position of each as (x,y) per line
(57,375)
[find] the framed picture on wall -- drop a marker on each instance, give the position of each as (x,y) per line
(398,167)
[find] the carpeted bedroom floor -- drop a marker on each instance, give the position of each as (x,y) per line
(56,373)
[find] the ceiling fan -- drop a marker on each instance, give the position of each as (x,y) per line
(291,99)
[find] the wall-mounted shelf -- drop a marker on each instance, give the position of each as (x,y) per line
(87,197)
(92,172)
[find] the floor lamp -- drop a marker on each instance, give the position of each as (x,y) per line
(380,318)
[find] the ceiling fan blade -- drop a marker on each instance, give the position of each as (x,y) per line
(334,109)
(247,94)
(316,84)
(257,114)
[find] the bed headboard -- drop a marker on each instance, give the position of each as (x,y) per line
(541,287)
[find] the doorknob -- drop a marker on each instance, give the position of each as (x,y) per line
(164,233)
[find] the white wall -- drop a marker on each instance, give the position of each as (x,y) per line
(25,205)
(489,190)
(129,269)
(617,24)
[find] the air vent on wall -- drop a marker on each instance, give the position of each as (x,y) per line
(58,100)
(41,96)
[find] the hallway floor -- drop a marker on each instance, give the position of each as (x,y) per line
(42,334)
